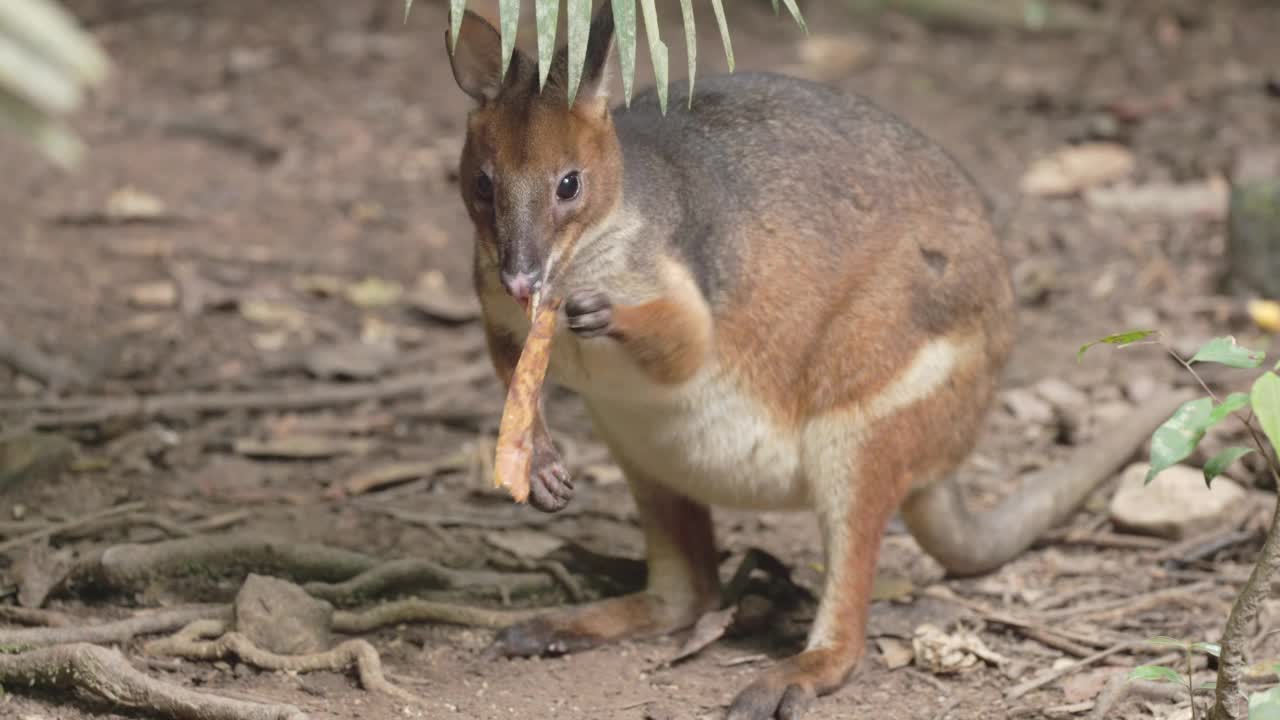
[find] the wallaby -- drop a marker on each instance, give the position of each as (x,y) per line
(781,297)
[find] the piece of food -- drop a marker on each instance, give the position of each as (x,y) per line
(515,433)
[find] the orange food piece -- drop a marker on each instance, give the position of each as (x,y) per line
(515,433)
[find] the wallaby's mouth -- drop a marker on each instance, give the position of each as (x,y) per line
(522,286)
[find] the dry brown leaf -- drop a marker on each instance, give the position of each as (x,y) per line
(384,476)
(896,653)
(515,433)
(709,628)
(1075,168)
(301,447)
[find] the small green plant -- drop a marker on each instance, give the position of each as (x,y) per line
(578,21)
(1160,673)
(1173,442)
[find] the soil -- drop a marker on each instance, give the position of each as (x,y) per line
(300,148)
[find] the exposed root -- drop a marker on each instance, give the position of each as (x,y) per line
(193,643)
(131,567)
(112,632)
(415,610)
(410,574)
(109,675)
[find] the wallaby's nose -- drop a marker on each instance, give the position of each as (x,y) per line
(521,286)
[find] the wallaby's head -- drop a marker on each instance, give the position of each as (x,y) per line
(536,173)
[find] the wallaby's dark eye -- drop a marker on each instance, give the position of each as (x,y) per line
(569,187)
(484,188)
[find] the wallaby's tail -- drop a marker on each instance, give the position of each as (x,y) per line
(966,543)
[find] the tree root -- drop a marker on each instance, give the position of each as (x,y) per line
(193,643)
(416,610)
(131,567)
(111,632)
(410,574)
(108,674)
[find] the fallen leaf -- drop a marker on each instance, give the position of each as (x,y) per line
(263,312)
(320,285)
(154,295)
(891,587)
(530,544)
(384,476)
(301,447)
(130,203)
(374,292)
(1085,685)
(941,653)
(1075,168)
(1266,314)
(349,361)
(709,628)
(896,653)
(33,455)
(269,341)
(830,57)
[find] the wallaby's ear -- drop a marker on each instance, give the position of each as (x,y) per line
(477,57)
(595,78)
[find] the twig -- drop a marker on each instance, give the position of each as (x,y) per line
(34,363)
(1132,604)
(131,567)
(306,397)
(1043,679)
(120,631)
(415,610)
(1022,624)
(190,643)
(64,526)
(109,675)
(409,574)
(33,617)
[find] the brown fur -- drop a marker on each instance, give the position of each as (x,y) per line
(797,276)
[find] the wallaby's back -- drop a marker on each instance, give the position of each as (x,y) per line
(807,215)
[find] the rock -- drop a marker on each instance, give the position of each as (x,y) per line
(1253,237)
(1027,407)
(1175,505)
(1140,389)
(1070,405)
(281,617)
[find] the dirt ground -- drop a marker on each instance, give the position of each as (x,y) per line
(303,151)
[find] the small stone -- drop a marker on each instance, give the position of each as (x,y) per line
(1027,407)
(1061,394)
(1175,505)
(281,617)
(1140,389)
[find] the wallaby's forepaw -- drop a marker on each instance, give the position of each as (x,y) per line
(589,313)
(534,638)
(786,691)
(550,486)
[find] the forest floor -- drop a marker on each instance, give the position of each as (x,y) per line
(270,205)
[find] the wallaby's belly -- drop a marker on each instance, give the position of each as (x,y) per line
(706,439)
